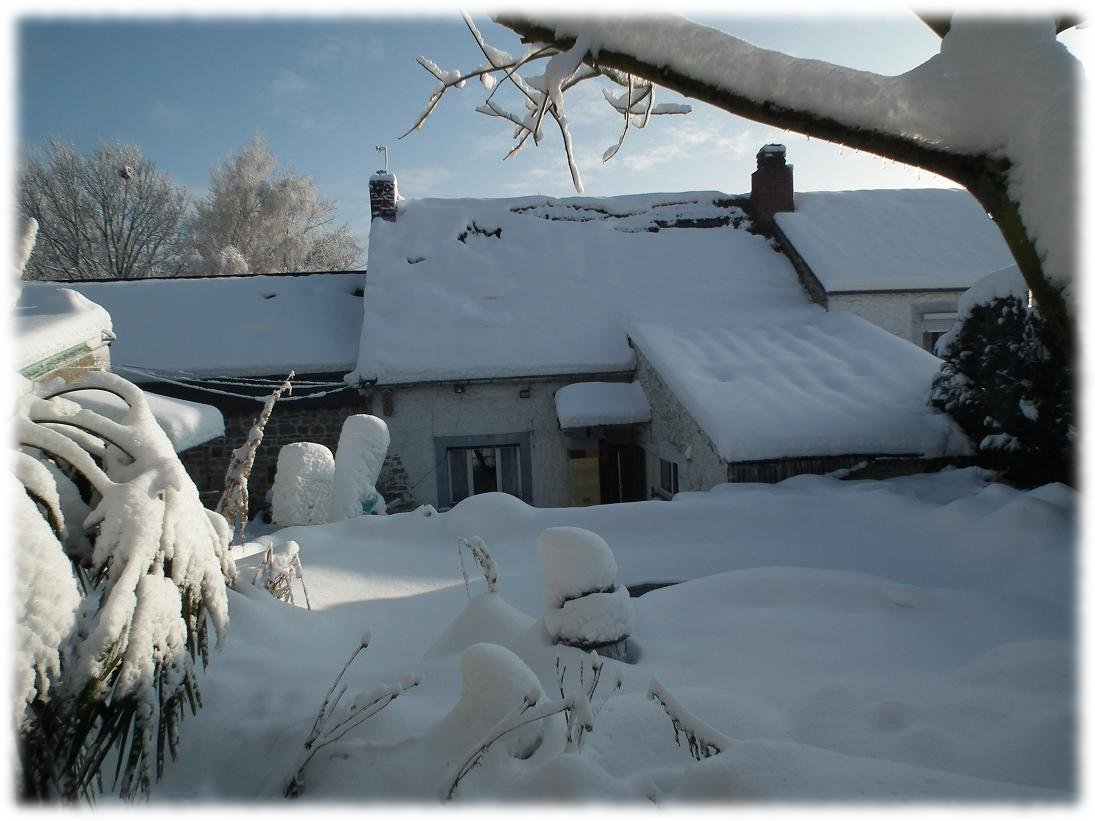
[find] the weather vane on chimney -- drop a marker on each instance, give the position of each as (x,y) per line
(383,149)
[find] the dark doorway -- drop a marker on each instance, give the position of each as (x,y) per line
(623,472)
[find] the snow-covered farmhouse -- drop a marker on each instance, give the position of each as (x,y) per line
(898,258)
(59,334)
(576,351)
(226,342)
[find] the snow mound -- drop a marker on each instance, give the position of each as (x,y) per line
(303,484)
(362,446)
(494,681)
(486,618)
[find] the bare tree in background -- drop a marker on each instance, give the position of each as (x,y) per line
(257,220)
(110,214)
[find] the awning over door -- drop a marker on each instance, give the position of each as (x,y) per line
(586,404)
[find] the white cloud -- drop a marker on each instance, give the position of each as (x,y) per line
(286,84)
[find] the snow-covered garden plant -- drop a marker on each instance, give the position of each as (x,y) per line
(576,730)
(703,740)
(1004,381)
(121,571)
(235,501)
(364,707)
(362,446)
(478,549)
(301,494)
(583,605)
(501,698)
(279,566)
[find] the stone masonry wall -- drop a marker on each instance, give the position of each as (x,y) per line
(208,463)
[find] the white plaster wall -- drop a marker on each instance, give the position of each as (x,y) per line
(898,313)
(674,435)
(424,412)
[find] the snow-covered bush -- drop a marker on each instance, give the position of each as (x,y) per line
(362,446)
(279,566)
(303,484)
(1005,382)
(114,608)
(583,606)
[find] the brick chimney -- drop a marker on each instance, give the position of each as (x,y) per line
(773,182)
(382,195)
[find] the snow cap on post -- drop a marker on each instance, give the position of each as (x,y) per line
(773,187)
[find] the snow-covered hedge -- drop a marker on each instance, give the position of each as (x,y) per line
(362,446)
(122,570)
(1004,381)
(303,484)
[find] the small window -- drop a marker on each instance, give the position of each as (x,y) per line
(476,470)
(933,325)
(669,478)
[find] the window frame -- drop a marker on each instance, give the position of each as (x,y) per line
(443,444)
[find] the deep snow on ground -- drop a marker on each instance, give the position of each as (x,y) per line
(910,639)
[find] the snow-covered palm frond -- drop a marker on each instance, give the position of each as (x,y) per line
(138,570)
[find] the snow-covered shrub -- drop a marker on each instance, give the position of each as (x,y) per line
(235,500)
(583,606)
(363,707)
(279,566)
(302,485)
(362,446)
(1005,382)
(111,628)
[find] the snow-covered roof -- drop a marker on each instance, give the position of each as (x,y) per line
(51,320)
(467,288)
(187,424)
(253,325)
(880,240)
(585,404)
(804,383)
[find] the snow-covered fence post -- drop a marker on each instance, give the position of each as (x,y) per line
(583,605)
(704,741)
(234,501)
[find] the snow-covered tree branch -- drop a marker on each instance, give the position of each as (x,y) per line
(995,110)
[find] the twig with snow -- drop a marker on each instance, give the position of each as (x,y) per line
(364,707)
(703,740)
(478,549)
(528,711)
(280,565)
(542,95)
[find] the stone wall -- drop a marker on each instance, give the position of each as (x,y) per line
(675,436)
(208,463)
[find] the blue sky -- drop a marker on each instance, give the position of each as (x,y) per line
(324,90)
